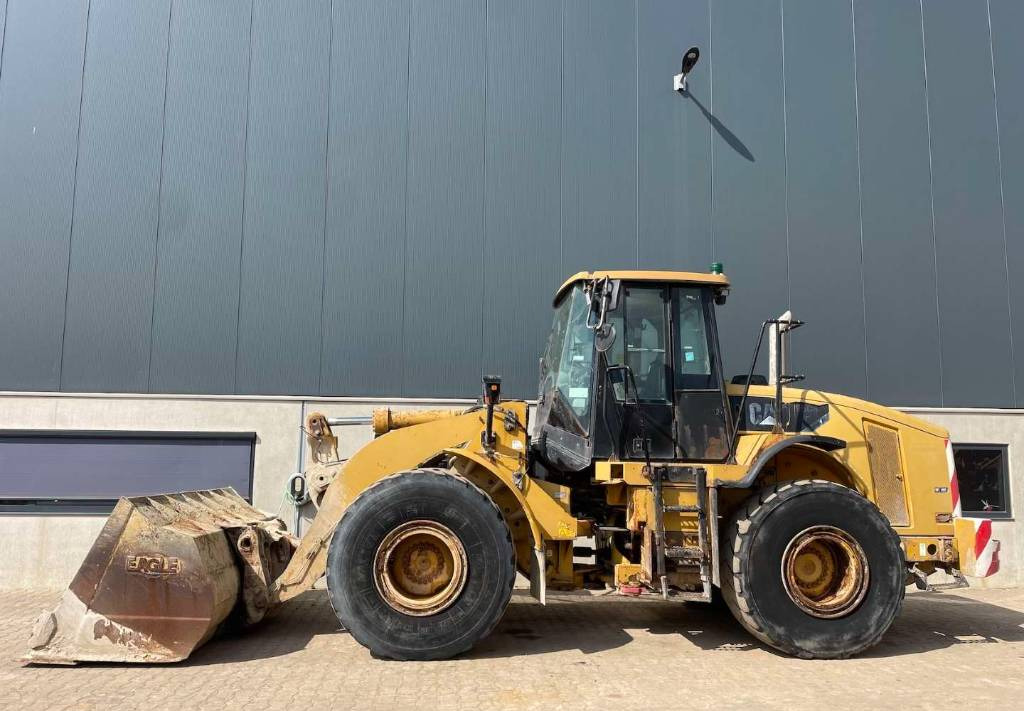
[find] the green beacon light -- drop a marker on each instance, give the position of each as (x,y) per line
(716,267)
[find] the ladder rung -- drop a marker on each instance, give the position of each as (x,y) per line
(689,596)
(684,552)
(683,509)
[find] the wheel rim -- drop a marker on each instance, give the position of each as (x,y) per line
(825,572)
(420,568)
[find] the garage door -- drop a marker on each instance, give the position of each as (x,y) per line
(86,472)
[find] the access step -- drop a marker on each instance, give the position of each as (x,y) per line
(684,552)
(675,508)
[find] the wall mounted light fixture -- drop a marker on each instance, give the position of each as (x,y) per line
(689,60)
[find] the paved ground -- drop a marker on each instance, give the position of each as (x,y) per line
(947,649)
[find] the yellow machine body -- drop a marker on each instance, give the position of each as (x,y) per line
(167,571)
(535,511)
(895,460)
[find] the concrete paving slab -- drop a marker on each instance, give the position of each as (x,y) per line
(948,649)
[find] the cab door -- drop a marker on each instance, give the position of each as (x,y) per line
(667,337)
(701,413)
(642,343)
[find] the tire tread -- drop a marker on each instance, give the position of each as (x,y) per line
(508,571)
(737,538)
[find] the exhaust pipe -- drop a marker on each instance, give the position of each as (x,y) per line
(778,357)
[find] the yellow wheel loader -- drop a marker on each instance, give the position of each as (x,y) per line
(808,513)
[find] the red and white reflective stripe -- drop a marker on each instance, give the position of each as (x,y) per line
(986,550)
(978,551)
(954,485)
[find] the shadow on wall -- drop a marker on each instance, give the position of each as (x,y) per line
(728,136)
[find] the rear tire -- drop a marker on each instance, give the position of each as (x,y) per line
(795,612)
(376,584)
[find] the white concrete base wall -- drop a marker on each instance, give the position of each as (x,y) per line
(994,427)
(44,551)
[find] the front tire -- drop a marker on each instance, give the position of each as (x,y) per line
(421,566)
(813,569)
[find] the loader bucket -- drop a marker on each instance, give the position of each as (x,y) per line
(165,573)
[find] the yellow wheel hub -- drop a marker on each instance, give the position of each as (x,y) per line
(825,572)
(420,568)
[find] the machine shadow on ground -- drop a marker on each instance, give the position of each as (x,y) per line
(936,620)
(591,624)
(928,621)
(287,629)
(572,621)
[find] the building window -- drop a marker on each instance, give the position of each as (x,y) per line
(984,481)
(86,472)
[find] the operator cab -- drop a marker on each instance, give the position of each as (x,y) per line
(632,370)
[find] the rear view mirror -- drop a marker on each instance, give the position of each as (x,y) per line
(604,338)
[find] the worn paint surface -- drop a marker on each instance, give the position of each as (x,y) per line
(164,573)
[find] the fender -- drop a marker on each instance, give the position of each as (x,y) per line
(396,451)
(820,442)
(548,520)
(546,517)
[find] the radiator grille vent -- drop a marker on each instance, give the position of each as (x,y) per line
(887,472)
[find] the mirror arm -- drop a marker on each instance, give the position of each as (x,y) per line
(746,391)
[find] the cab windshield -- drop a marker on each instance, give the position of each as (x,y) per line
(567,368)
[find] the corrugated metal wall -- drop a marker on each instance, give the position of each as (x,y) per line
(378,198)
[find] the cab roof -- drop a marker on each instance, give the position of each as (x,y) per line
(640,275)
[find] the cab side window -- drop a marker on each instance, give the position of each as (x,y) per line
(694,367)
(642,344)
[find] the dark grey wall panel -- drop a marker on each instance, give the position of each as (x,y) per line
(899,264)
(823,195)
(198,247)
(598,135)
(444,278)
(973,311)
(674,138)
(283,243)
(39,102)
(113,238)
(1008,53)
(749,218)
(521,235)
(362,315)
(367,198)
(3,25)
